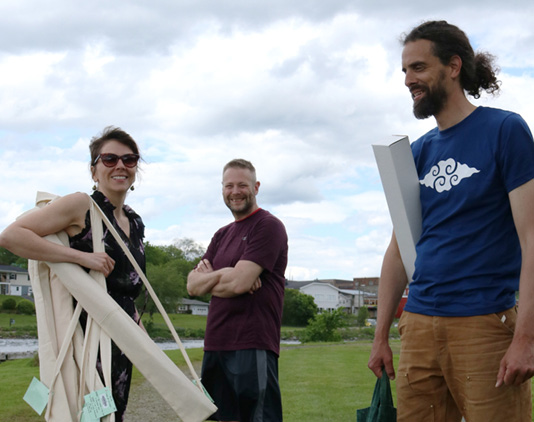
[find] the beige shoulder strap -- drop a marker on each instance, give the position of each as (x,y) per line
(153,295)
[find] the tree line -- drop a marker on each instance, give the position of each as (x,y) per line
(167,268)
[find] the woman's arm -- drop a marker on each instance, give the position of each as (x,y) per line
(25,236)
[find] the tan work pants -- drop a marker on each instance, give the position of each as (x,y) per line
(448,369)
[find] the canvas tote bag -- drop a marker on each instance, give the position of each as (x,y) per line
(62,365)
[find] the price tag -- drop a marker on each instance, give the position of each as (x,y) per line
(37,395)
(98,404)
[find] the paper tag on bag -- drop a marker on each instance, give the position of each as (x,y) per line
(37,395)
(97,405)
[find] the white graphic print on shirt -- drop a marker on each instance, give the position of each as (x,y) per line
(447,174)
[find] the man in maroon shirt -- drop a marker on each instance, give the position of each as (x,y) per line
(243,269)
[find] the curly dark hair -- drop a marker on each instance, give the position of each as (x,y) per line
(478,70)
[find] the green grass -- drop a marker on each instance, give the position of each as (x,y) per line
(16,376)
(324,382)
(194,322)
(188,326)
(319,382)
(20,319)
(24,326)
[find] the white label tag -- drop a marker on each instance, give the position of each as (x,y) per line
(98,404)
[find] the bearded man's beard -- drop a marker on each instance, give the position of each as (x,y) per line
(433,100)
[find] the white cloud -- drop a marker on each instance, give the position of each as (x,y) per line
(302,89)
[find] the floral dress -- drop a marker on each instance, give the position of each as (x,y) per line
(123,284)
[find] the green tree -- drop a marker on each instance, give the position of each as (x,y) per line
(155,255)
(363,314)
(167,270)
(324,327)
(168,283)
(299,308)
(8,258)
(191,250)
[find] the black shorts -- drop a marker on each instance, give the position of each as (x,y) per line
(244,385)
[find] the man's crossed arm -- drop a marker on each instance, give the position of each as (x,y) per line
(225,282)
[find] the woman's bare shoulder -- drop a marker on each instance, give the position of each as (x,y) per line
(72,203)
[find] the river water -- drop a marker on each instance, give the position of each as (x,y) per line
(23,348)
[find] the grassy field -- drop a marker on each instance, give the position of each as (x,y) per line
(194,322)
(319,382)
(24,325)
(192,326)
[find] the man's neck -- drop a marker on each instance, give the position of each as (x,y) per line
(241,217)
(456,110)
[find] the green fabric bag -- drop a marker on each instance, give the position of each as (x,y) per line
(381,409)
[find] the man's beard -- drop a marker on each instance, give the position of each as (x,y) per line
(242,210)
(433,100)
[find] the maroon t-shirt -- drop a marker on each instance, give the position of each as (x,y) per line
(249,321)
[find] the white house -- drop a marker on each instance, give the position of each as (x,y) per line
(196,307)
(328,297)
(325,296)
(14,281)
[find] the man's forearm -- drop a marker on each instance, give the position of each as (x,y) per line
(393,281)
(199,283)
(229,284)
(238,280)
(524,328)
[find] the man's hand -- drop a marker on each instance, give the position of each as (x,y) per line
(381,356)
(203,278)
(255,286)
(517,365)
(204,266)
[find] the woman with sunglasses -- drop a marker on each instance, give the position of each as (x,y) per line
(114,158)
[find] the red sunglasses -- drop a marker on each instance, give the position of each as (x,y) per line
(111,160)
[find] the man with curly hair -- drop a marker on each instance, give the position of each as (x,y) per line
(466,348)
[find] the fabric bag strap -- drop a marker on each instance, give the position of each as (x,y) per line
(385,390)
(151,291)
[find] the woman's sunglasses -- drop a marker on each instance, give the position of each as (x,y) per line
(111,160)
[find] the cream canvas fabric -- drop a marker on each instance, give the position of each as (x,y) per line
(67,356)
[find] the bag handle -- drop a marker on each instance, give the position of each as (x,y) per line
(381,396)
(148,286)
(385,390)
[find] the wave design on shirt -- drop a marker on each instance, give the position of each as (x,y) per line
(447,174)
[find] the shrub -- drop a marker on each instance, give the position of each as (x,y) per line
(9,304)
(26,307)
(34,361)
(324,327)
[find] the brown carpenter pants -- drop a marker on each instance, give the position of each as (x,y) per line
(448,369)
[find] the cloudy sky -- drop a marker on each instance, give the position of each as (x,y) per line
(301,88)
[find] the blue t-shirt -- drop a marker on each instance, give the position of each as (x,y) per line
(468,257)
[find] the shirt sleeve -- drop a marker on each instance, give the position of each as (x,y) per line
(516,155)
(266,243)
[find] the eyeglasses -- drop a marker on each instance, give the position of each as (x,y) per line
(111,160)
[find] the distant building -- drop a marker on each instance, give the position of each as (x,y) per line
(333,294)
(15,281)
(194,307)
(367,284)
